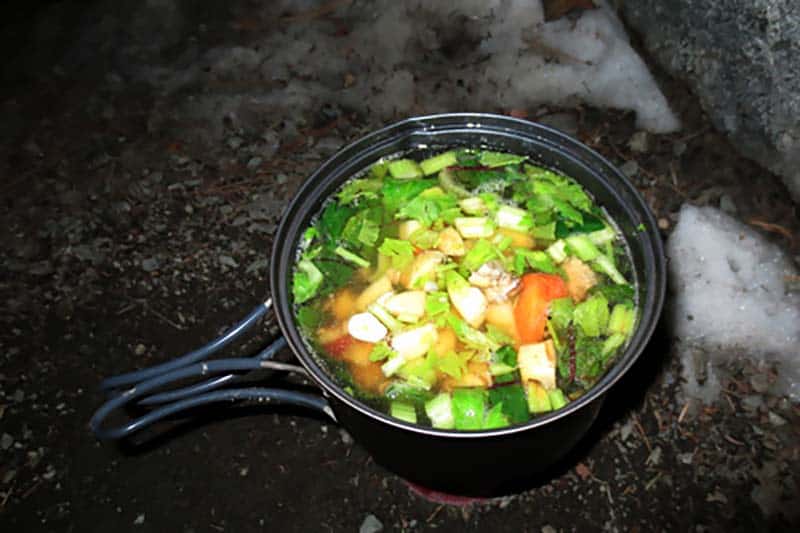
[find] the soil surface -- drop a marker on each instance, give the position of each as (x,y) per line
(127,241)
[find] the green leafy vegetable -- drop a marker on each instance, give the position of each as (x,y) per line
(396,193)
(512,398)
(380,352)
(333,220)
(591,316)
(450,363)
(469,335)
(347,255)
(401,252)
(366,189)
(499,159)
(430,206)
(468,408)
(306,281)
(495,418)
(437,306)
(561,311)
(615,294)
(480,253)
(363,228)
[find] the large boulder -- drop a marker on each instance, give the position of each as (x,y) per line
(742,59)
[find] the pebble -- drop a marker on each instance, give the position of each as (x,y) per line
(228,261)
(19,396)
(629,168)
(6,441)
(371,524)
(139,520)
(759,382)
(254,163)
(140,349)
(640,142)
(776,419)
(150,264)
(726,204)
(547,528)
(346,438)
(663,223)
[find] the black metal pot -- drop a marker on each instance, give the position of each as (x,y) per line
(479,462)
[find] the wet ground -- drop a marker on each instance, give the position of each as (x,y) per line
(128,239)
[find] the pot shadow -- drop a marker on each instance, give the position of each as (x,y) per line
(627,395)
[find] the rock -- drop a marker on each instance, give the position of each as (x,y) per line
(640,142)
(150,264)
(742,58)
(629,168)
(6,441)
(371,524)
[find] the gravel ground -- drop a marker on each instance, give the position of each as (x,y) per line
(125,243)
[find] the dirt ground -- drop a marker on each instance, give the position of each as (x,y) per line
(125,243)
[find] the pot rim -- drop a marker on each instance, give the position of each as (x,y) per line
(650,308)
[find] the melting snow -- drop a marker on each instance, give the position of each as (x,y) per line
(730,300)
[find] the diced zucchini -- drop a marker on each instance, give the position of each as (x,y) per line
(403,411)
(496,418)
(538,400)
(468,408)
(440,411)
(474,227)
(537,362)
(434,164)
(404,169)
(557,399)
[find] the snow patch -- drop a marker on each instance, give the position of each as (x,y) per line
(730,301)
(393,59)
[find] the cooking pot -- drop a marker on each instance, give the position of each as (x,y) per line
(474,462)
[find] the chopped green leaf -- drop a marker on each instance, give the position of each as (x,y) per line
(350,256)
(512,398)
(450,363)
(429,206)
(401,252)
(306,281)
(437,305)
(591,316)
(404,169)
(468,408)
(499,159)
(380,352)
(363,228)
(561,311)
(397,193)
(333,219)
(364,188)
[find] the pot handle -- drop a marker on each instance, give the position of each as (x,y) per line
(150,379)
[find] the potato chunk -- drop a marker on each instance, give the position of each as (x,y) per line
(537,362)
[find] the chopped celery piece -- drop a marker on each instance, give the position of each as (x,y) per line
(591,315)
(473,206)
(418,373)
(582,247)
(406,392)
(513,218)
(379,170)
(603,264)
(404,169)
(468,408)
(500,159)
(380,352)
(440,411)
(404,411)
(561,311)
(515,406)
(385,317)
(538,401)
(479,254)
(390,367)
(447,180)
(621,319)
(469,335)
(474,227)
(557,399)
(498,369)
(545,232)
(602,236)
(434,164)
(496,418)
(613,342)
(350,256)
(558,251)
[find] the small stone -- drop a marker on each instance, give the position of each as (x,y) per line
(281,179)
(6,441)
(346,438)
(254,163)
(640,142)
(139,520)
(547,528)
(686,458)
(228,261)
(752,402)
(776,419)
(19,396)
(140,349)
(244,471)
(679,148)
(150,264)
(629,168)
(663,223)
(188,209)
(655,457)
(235,142)
(371,524)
